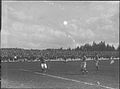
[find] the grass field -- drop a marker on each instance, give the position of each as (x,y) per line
(60,75)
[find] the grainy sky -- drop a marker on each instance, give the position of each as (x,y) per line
(50,24)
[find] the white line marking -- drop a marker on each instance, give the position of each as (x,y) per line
(62,78)
(25,70)
(69,79)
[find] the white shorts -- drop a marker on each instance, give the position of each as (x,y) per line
(112,61)
(44,65)
(96,63)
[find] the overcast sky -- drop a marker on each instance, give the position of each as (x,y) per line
(51,24)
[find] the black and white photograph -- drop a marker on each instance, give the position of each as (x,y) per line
(59,44)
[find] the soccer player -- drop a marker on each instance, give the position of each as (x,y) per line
(15,58)
(43,64)
(84,64)
(65,59)
(111,60)
(96,59)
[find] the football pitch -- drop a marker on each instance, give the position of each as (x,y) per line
(60,75)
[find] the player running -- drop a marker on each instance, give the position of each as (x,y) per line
(96,59)
(43,64)
(84,64)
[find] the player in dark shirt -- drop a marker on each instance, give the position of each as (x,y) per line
(65,59)
(96,59)
(43,64)
(84,64)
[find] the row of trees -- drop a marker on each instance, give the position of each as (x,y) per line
(101,46)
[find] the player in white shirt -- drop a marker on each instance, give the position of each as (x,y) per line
(15,58)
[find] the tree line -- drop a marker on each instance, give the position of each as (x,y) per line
(101,46)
